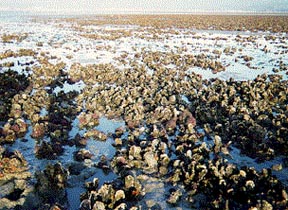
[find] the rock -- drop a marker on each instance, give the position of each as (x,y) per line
(163,170)
(82,154)
(85,205)
(99,206)
(119,195)
(174,197)
(277,167)
(132,186)
(48,150)
(171,124)
(14,188)
(129,181)
(119,131)
(93,185)
(75,168)
(118,142)
(135,153)
(56,207)
(7,189)
(151,161)
(88,120)
(98,135)
(80,141)
(52,180)
(38,130)
(264,205)
(107,193)
(104,164)
(122,206)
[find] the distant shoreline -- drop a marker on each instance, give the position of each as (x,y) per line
(96,13)
(200,14)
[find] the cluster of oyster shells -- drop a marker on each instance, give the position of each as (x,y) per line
(14,179)
(179,127)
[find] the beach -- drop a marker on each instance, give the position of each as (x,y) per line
(166,111)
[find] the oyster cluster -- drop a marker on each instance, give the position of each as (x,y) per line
(251,114)
(10,38)
(228,111)
(179,129)
(11,84)
(51,184)
(14,179)
(120,194)
(204,22)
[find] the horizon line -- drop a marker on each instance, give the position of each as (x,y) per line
(141,12)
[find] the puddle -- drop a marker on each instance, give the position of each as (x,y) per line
(78,86)
(243,160)
(185,99)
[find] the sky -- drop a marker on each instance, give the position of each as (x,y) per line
(143,6)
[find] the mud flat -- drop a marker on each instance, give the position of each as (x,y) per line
(144,112)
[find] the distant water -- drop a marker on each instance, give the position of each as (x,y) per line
(14,16)
(24,16)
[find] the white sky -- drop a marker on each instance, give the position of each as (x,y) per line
(143,6)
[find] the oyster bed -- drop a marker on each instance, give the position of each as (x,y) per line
(144,112)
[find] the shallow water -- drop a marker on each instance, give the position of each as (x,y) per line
(75,182)
(240,160)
